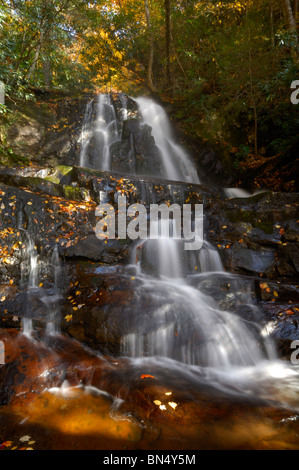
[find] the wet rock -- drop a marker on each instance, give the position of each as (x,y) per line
(261,261)
(258,236)
(125,106)
(131,126)
(95,249)
(289,256)
(291,233)
(283,326)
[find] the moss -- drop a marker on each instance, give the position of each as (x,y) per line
(266,227)
(40,184)
(58,173)
(240,215)
(52,179)
(9,158)
(63,169)
(78,194)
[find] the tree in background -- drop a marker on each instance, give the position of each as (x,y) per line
(227,65)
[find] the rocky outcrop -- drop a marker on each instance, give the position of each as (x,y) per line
(53,202)
(256,237)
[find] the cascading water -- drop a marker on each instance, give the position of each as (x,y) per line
(188,328)
(176,162)
(183,322)
(52,301)
(98,133)
(86,133)
(191,319)
(32,288)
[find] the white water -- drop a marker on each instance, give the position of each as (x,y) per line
(52,300)
(182,328)
(184,323)
(176,161)
(27,325)
(103,131)
(177,330)
(86,133)
(241,193)
(30,283)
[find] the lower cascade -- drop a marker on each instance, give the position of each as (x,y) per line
(184,321)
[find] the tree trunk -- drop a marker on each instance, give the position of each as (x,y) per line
(290,16)
(151,52)
(272,26)
(253,102)
(47,69)
(291,23)
(167,38)
(178,59)
(36,56)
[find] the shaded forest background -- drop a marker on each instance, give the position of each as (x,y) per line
(223,69)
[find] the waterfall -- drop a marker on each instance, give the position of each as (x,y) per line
(180,310)
(102,127)
(52,300)
(33,289)
(86,133)
(106,132)
(176,161)
(183,322)
(98,135)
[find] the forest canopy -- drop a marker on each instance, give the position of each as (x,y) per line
(228,65)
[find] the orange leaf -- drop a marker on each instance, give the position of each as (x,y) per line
(289,312)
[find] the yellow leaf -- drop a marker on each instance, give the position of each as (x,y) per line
(172,404)
(264,285)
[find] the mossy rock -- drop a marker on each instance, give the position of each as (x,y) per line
(59,173)
(75,193)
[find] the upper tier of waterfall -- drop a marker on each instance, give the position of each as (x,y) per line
(177,164)
(139,140)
